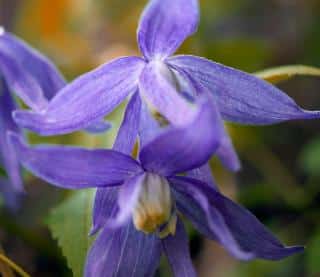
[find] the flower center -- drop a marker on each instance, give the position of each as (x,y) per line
(155,210)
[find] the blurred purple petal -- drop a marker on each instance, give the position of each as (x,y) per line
(232,225)
(31,62)
(128,132)
(165,24)
(177,250)
(227,154)
(75,168)
(7,153)
(128,196)
(123,252)
(100,126)
(185,148)
(241,97)
(12,199)
(149,127)
(105,207)
(204,174)
(86,99)
(162,95)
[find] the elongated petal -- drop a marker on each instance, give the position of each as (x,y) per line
(204,174)
(165,24)
(105,207)
(241,97)
(7,153)
(30,74)
(185,148)
(75,168)
(149,128)
(127,199)
(227,154)
(233,226)
(177,250)
(123,252)
(86,99)
(12,199)
(128,132)
(162,95)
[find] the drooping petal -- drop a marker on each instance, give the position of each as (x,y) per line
(148,127)
(123,252)
(105,207)
(30,74)
(165,24)
(128,196)
(233,226)
(7,153)
(86,99)
(227,154)
(204,174)
(158,92)
(12,199)
(185,148)
(75,168)
(241,97)
(177,250)
(128,132)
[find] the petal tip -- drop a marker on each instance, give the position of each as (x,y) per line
(2,30)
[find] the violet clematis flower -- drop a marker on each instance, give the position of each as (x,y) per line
(139,202)
(34,79)
(161,81)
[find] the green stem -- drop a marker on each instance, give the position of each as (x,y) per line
(14,266)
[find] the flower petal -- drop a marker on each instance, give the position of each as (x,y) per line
(227,154)
(7,153)
(30,74)
(177,250)
(105,207)
(185,148)
(162,95)
(123,252)
(100,126)
(12,199)
(204,174)
(241,97)
(233,226)
(149,128)
(165,24)
(86,99)
(75,168)
(128,132)
(128,197)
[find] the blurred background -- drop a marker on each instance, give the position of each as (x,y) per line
(280,177)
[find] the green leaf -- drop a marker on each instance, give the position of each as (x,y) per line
(70,224)
(313,254)
(310,157)
(283,73)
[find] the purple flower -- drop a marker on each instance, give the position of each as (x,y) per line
(34,79)
(138,202)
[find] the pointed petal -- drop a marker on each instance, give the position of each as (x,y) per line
(75,168)
(128,132)
(241,97)
(233,226)
(7,153)
(149,128)
(86,99)
(177,250)
(127,199)
(30,74)
(105,207)
(123,252)
(185,148)
(227,154)
(161,94)
(165,24)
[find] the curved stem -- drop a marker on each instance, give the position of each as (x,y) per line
(14,266)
